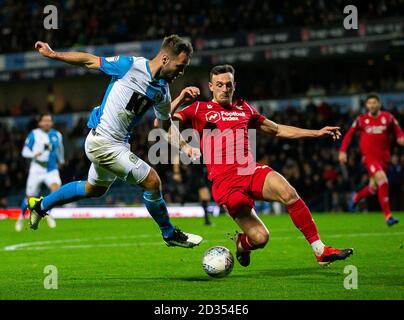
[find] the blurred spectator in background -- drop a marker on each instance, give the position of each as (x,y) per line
(395,174)
(80,22)
(315,90)
(312,167)
(5,184)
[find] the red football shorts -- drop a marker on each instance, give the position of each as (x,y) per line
(233,191)
(373,165)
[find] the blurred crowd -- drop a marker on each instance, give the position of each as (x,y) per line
(311,166)
(85,22)
(270,84)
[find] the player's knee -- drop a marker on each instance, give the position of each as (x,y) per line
(289,196)
(260,239)
(381,178)
(152,181)
(95,191)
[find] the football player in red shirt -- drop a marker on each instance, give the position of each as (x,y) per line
(237,179)
(375,128)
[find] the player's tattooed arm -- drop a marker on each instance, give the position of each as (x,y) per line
(290,132)
(81,59)
(187,95)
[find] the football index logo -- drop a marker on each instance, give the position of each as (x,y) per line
(213,116)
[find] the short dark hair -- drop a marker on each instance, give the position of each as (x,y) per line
(44,114)
(224,68)
(174,45)
(372,95)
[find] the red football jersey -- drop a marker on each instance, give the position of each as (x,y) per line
(374,135)
(223,133)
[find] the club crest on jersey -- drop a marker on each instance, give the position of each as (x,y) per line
(158,96)
(133,158)
(213,116)
(383,120)
(112,59)
(375,129)
(209,106)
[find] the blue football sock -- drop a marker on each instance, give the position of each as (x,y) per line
(24,206)
(157,208)
(70,192)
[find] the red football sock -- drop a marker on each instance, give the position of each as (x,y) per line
(245,242)
(301,217)
(383,195)
(363,193)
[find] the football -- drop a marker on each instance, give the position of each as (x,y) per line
(218,262)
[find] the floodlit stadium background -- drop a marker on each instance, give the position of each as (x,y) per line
(294,62)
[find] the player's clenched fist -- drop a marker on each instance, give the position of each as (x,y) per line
(342,157)
(193,153)
(44,49)
(189,94)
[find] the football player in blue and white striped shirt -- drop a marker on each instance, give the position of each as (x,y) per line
(44,147)
(137,85)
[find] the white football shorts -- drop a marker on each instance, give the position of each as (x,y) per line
(111,160)
(37,176)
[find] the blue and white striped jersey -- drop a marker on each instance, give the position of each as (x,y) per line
(49,146)
(130,94)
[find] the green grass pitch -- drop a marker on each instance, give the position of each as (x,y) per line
(126,259)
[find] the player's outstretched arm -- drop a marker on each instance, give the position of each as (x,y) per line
(81,59)
(290,132)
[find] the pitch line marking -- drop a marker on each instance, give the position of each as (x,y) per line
(21,246)
(37,245)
